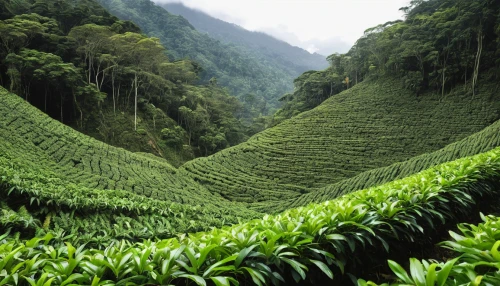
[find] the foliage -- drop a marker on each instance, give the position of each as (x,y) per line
(372,125)
(87,187)
(439,45)
(477,264)
(311,89)
(241,70)
(326,237)
(86,68)
(482,141)
(277,54)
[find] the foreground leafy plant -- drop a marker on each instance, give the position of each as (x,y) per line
(478,262)
(275,249)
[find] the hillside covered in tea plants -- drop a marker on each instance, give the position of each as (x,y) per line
(372,125)
(342,239)
(58,179)
(355,190)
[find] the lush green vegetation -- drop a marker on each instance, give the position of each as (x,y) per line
(477,261)
(67,182)
(99,74)
(324,239)
(293,61)
(241,71)
(482,141)
(372,125)
(286,206)
(274,50)
(439,45)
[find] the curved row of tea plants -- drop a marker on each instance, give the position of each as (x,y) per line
(80,159)
(479,142)
(308,243)
(35,202)
(477,261)
(49,171)
(372,125)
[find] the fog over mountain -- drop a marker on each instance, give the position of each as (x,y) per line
(263,46)
(318,26)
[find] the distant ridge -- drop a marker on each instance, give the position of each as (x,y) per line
(272,49)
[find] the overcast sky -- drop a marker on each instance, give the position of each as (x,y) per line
(323,26)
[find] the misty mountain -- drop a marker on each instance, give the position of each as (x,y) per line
(264,46)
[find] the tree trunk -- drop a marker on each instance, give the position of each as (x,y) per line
(113,90)
(478,60)
(443,82)
(97,77)
(135,103)
(79,109)
(118,93)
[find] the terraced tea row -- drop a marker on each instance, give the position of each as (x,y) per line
(479,142)
(370,126)
(82,160)
(55,171)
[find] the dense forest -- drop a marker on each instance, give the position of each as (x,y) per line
(386,173)
(440,44)
(101,75)
(257,83)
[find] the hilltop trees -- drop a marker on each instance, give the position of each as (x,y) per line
(440,44)
(75,62)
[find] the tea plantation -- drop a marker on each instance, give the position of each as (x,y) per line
(48,164)
(372,125)
(77,211)
(482,141)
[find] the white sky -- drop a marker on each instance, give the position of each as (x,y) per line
(326,26)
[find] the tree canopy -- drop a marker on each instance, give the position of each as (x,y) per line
(441,43)
(78,63)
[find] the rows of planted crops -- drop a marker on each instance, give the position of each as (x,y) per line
(307,244)
(370,126)
(54,179)
(71,156)
(479,142)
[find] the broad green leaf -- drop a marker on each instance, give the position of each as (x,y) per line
(218,264)
(400,272)
(197,279)
(221,281)
(494,251)
(297,266)
(417,272)
(442,275)
(431,276)
(243,254)
(323,267)
(256,276)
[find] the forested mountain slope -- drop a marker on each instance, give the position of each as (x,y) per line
(372,125)
(440,44)
(241,72)
(102,76)
(267,48)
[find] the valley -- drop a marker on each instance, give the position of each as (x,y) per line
(138,147)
